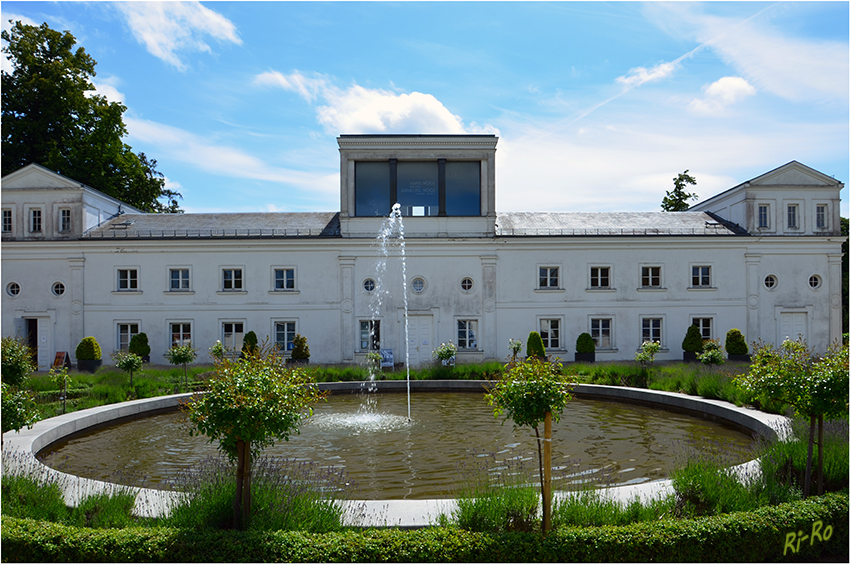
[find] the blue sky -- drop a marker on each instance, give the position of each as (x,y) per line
(597,105)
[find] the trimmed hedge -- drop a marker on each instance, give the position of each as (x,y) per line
(758,536)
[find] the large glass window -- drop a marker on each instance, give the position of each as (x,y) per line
(463,188)
(284,335)
(600,330)
(125,333)
(370,335)
(284,278)
(550,333)
(467,334)
(418,188)
(7,221)
(232,334)
(181,334)
(128,279)
(372,188)
(64,220)
(179,279)
(651,329)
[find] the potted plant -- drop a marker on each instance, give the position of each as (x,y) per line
(534,346)
(249,344)
(88,355)
(446,353)
(736,346)
(692,345)
(139,346)
(300,351)
(585,348)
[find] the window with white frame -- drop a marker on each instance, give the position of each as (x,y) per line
(35,220)
(550,332)
(467,334)
(548,277)
(793,213)
(232,333)
(704,325)
(64,220)
(764,216)
(128,279)
(7,221)
(284,279)
(181,333)
(284,335)
(650,276)
(179,280)
(600,277)
(821,217)
(701,276)
(231,279)
(125,333)
(370,335)
(600,330)
(651,329)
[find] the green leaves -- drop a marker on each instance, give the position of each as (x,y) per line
(256,399)
(529,390)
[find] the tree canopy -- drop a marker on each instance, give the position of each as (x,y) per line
(677,199)
(53,117)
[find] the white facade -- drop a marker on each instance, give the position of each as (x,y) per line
(474,277)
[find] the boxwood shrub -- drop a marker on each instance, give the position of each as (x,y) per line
(763,535)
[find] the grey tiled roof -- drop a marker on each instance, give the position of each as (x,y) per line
(612,223)
(209,225)
(517,224)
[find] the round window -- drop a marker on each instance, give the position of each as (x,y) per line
(814,281)
(369,285)
(770,281)
(13,289)
(418,285)
(466,284)
(58,288)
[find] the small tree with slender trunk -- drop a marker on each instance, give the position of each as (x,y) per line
(250,404)
(529,393)
(815,387)
(182,354)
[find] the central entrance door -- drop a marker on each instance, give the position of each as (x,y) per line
(420,338)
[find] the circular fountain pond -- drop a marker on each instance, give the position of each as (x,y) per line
(385,456)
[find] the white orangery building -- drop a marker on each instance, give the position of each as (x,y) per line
(763,257)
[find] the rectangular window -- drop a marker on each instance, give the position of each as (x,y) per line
(701,276)
(284,278)
(181,334)
(35,221)
(370,335)
(600,277)
(232,334)
(704,326)
(764,216)
(792,216)
(125,333)
(178,279)
(650,276)
(550,332)
(128,279)
(467,334)
(651,329)
(284,335)
(820,217)
(548,277)
(600,330)
(64,221)
(7,221)
(231,279)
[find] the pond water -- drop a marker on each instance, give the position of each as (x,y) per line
(386,456)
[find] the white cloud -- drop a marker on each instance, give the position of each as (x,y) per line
(371,110)
(796,68)
(168,29)
(107,87)
(222,160)
(641,75)
(722,93)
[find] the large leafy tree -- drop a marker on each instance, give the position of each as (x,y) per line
(251,403)
(52,116)
(677,199)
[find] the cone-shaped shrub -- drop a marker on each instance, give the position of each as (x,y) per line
(735,342)
(88,349)
(693,340)
(534,346)
(139,345)
(585,343)
(249,343)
